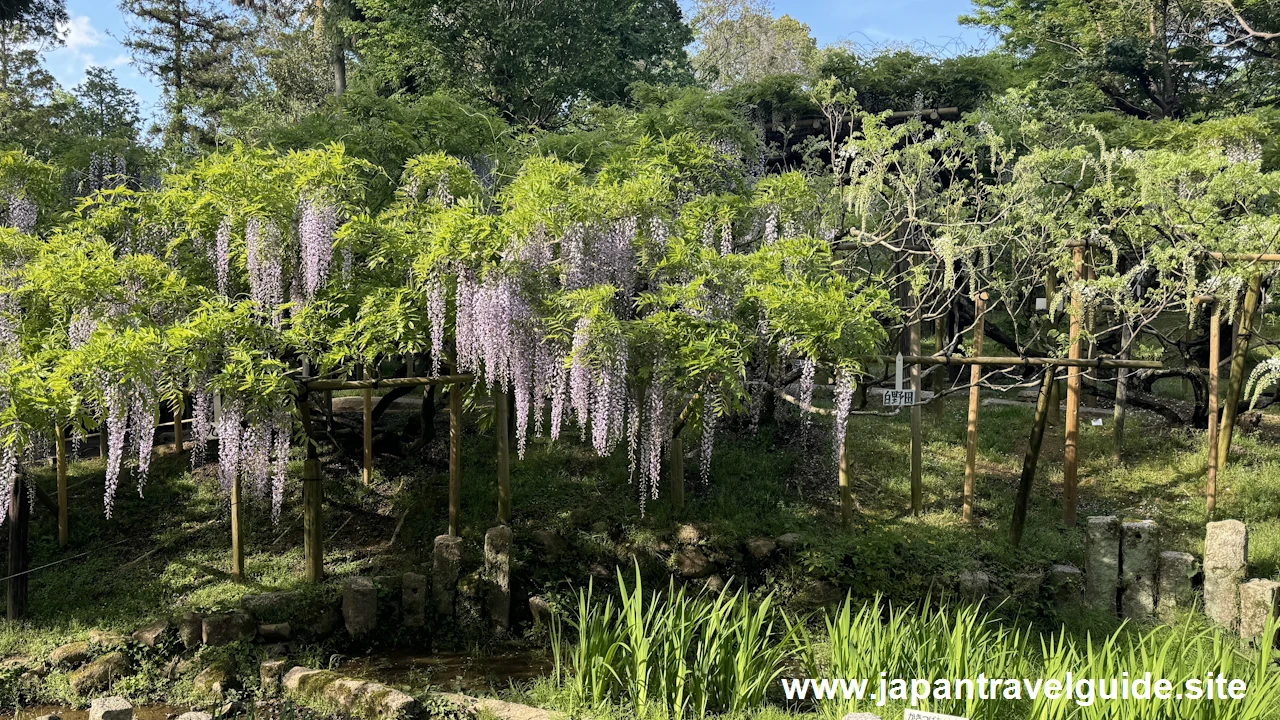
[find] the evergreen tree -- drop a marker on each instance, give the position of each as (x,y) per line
(189,47)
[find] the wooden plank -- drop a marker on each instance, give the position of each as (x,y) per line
(1071,447)
(1215,359)
(975,398)
(60,449)
(19,552)
(501,426)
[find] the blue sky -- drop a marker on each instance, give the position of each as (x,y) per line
(96,26)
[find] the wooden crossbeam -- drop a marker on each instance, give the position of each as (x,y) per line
(1101,363)
(376,383)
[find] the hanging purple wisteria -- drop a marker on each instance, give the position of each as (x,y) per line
(255,451)
(263,247)
(317,224)
(20,211)
(131,409)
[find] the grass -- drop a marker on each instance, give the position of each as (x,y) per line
(169,551)
(676,655)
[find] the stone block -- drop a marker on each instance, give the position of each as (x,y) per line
(71,655)
(225,629)
(1102,563)
(151,634)
(1226,558)
(413,599)
(191,630)
(1259,602)
(98,675)
(1174,589)
(1139,563)
(360,607)
(275,632)
(446,566)
(497,569)
(110,708)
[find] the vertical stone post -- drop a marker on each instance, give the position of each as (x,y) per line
(360,607)
(413,599)
(1226,556)
(1259,602)
(446,564)
(1139,561)
(497,568)
(1102,566)
(1173,589)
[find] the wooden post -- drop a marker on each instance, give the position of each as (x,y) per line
(237,532)
(1235,386)
(917,455)
(367,395)
(1090,399)
(177,424)
(102,440)
(846,492)
(1069,457)
(455,458)
(500,429)
(1122,394)
(1215,359)
(1055,390)
(940,345)
(19,555)
(312,497)
(1032,458)
(60,450)
(975,375)
(677,472)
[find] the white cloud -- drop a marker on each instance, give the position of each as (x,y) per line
(79,33)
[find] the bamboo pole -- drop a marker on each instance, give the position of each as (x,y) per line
(237,532)
(677,472)
(1236,385)
(19,552)
(1122,396)
(846,491)
(1215,359)
(500,428)
(975,375)
(178,412)
(312,498)
(367,397)
(455,458)
(60,448)
(1032,458)
(917,453)
(1070,449)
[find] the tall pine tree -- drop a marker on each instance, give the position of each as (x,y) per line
(189,47)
